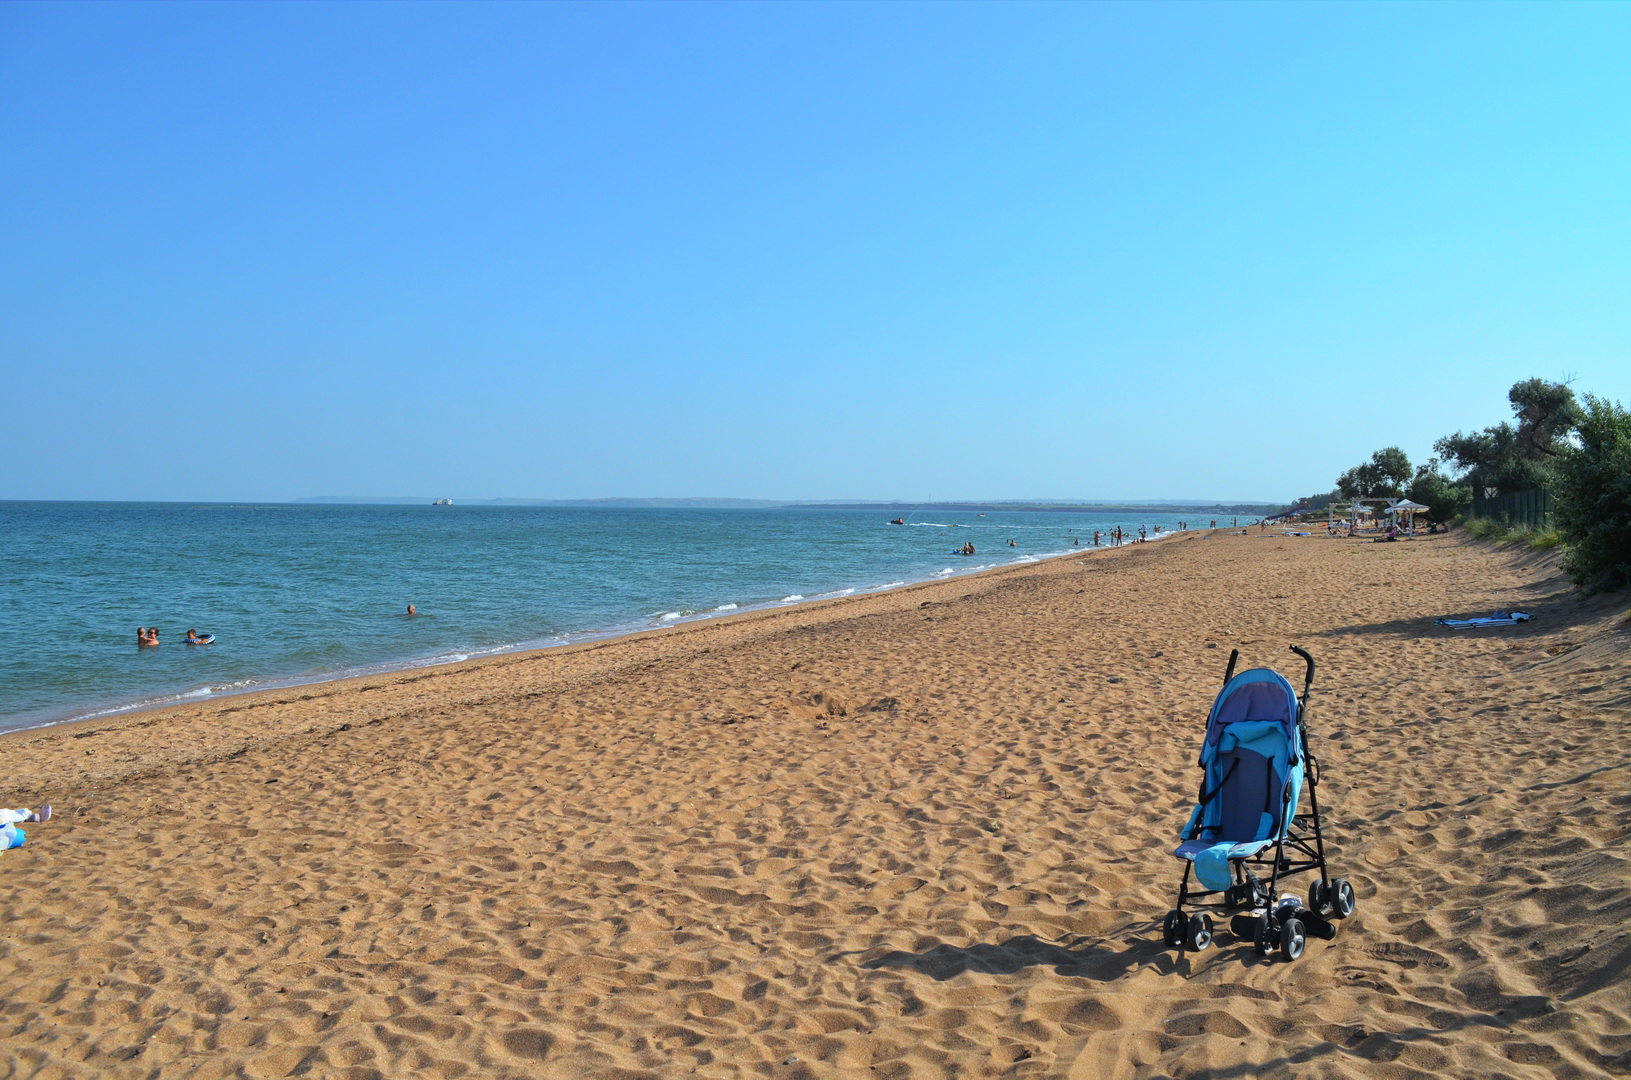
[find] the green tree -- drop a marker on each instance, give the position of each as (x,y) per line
(1382,477)
(1443,497)
(1506,458)
(1593,493)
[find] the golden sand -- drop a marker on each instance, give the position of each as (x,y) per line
(910,835)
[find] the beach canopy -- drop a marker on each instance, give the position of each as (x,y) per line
(1406,506)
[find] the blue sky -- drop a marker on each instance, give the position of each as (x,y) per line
(794,251)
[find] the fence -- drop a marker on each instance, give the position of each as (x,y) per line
(1521,509)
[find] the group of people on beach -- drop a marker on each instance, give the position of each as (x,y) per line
(147,636)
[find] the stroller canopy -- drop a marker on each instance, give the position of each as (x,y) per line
(1255,696)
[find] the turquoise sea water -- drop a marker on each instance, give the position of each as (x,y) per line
(298,593)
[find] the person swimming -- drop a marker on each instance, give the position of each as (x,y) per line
(193,638)
(152,637)
(412,611)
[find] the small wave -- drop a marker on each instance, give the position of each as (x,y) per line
(947,572)
(934,525)
(726,607)
(791,599)
(835,593)
(892,585)
(670,616)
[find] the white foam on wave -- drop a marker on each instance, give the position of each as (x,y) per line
(835,593)
(791,599)
(726,607)
(892,585)
(670,616)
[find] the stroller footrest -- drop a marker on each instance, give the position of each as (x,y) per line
(1244,849)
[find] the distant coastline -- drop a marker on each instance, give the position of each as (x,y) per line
(1162,506)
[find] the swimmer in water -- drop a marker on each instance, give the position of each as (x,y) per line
(194,639)
(411,611)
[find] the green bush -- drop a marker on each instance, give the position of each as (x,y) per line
(1594,497)
(1545,540)
(1501,532)
(1489,529)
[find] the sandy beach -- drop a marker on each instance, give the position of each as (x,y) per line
(924,833)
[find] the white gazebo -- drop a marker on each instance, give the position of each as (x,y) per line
(1408,508)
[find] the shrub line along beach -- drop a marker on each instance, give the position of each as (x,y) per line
(918,833)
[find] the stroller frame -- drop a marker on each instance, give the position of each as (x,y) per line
(1270,921)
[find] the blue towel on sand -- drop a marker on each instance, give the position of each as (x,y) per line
(1500,618)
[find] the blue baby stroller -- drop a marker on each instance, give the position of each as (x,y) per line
(1247,823)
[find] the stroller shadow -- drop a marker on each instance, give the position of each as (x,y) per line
(1076,960)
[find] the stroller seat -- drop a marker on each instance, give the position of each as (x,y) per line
(1251,768)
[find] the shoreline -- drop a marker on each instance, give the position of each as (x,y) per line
(277,684)
(821,610)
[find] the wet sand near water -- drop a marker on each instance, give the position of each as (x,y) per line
(917,834)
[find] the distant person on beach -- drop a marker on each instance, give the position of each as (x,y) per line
(1095,538)
(1143,535)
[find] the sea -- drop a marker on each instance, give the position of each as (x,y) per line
(302,593)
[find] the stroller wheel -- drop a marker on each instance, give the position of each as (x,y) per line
(1264,939)
(1319,898)
(1172,931)
(1342,898)
(1293,940)
(1199,934)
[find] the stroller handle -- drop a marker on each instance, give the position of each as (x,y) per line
(1308,680)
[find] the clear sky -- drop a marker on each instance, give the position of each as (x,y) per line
(776,250)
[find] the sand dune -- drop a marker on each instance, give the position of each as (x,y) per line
(911,835)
